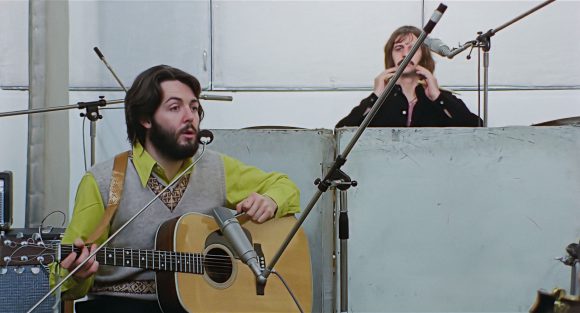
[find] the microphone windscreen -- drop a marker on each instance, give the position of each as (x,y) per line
(205,137)
(98,52)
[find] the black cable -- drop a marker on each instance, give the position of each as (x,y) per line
(84,146)
(289,290)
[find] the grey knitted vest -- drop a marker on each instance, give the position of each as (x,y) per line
(205,191)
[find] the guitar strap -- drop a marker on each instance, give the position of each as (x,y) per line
(115,192)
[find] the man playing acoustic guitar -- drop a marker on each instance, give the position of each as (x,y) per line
(163,114)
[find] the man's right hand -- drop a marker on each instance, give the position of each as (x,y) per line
(382,79)
(74,259)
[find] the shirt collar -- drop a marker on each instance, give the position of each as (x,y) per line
(145,165)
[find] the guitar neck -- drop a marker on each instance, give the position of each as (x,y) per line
(146,259)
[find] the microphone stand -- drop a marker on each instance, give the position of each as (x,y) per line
(343,236)
(572,260)
(91,112)
(483,42)
(335,176)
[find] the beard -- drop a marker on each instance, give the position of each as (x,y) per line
(166,142)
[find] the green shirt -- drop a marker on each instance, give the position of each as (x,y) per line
(89,207)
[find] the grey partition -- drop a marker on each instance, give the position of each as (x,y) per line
(303,155)
(460,220)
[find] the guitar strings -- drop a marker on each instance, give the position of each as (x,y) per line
(156,253)
(17,259)
(213,260)
(218,265)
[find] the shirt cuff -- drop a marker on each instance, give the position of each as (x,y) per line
(72,288)
(284,208)
(370,100)
(442,100)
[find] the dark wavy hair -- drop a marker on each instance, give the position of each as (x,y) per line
(400,33)
(145,95)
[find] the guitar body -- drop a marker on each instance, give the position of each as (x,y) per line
(228,285)
(555,302)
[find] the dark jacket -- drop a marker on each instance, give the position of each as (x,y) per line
(427,113)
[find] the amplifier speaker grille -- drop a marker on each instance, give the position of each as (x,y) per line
(22,286)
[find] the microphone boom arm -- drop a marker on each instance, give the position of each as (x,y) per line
(464,47)
(80,106)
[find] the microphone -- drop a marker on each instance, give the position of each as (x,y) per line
(233,232)
(437,46)
(435,18)
(573,250)
(205,137)
(102,57)
(216,98)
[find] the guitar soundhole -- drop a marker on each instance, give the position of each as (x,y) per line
(218,265)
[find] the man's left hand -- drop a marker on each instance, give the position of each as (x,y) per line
(431,86)
(258,207)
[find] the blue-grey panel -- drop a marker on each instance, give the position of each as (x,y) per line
(460,220)
(303,155)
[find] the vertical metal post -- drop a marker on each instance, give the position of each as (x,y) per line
(47,177)
(573,278)
(93,141)
(343,236)
(485,85)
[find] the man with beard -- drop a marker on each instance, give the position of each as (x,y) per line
(162,113)
(416,100)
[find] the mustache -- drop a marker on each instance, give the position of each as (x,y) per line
(410,63)
(187,128)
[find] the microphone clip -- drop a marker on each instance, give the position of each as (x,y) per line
(260,279)
(338,179)
(92,109)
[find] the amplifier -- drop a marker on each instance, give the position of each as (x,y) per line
(5,200)
(24,276)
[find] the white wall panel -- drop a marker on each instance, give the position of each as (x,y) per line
(13,147)
(338,44)
(14,43)
(532,107)
(135,35)
(324,109)
(304,44)
(538,50)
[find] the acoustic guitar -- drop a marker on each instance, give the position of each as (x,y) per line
(555,302)
(210,280)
